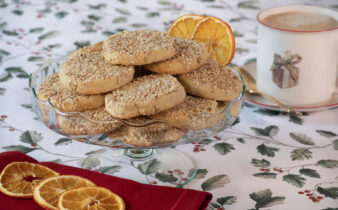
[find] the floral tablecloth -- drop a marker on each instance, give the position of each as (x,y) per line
(267,159)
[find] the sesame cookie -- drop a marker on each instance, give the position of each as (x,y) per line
(67,100)
(79,126)
(145,95)
(89,73)
(189,56)
(138,47)
(212,81)
(194,113)
(151,135)
(91,48)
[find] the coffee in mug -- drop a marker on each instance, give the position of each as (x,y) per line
(297,54)
(302,21)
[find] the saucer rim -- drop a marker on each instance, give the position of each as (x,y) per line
(323,106)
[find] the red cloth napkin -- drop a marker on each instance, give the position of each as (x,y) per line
(135,195)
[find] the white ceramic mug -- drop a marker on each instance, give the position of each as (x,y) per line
(297,67)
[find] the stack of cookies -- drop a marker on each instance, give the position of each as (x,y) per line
(139,76)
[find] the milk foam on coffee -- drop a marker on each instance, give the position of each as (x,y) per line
(301,21)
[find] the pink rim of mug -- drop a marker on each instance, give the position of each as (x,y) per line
(288,30)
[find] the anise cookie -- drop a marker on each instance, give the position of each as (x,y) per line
(194,113)
(67,100)
(97,47)
(212,81)
(138,47)
(189,56)
(95,121)
(89,73)
(146,136)
(145,95)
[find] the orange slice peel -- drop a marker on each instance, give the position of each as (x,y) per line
(184,26)
(218,37)
(18,179)
(48,191)
(90,198)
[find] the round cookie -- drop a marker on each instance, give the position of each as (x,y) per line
(147,136)
(138,47)
(91,48)
(212,81)
(189,56)
(67,100)
(189,115)
(76,125)
(89,73)
(145,95)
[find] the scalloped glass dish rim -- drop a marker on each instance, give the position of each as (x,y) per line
(125,121)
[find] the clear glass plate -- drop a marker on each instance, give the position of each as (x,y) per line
(50,116)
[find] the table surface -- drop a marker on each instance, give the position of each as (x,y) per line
(268,159)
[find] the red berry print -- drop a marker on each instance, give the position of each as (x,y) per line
(300,192)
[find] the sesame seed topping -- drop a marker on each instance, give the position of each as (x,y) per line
(142,89)
(138,41)
(214,75)
(187,50)
(91,66)
(64,99)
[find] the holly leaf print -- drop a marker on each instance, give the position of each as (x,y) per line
(228,200)
(335,144)
(97,7)
(331,192)
(30,137)
(260,163)
(295,180)
(61,14)
(17,71)
(5,77)
(268,151)
(302,138)
(295,119)
(328,163)
(330,208)
(90,162)
(99,151)
(48,35)
(215,182)
(19,148)
(223,148)
(166,177)
(266,175)
(63,141)
(267,112)
(122,11)
(35,30)
(149,167)
(200,173)
(327,134)
(2,91)
(4,53)
(81,44)
(264,199)
(35,58)
(270,131)
(109,169)
(301,154)
(309,172)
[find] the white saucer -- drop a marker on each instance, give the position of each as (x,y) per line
(258,100)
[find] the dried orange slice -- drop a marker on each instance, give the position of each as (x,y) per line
(18,179)
(48,191)
(218,37)
(90,198)
(184,26)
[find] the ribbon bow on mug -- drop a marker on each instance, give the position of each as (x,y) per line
(284,73)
